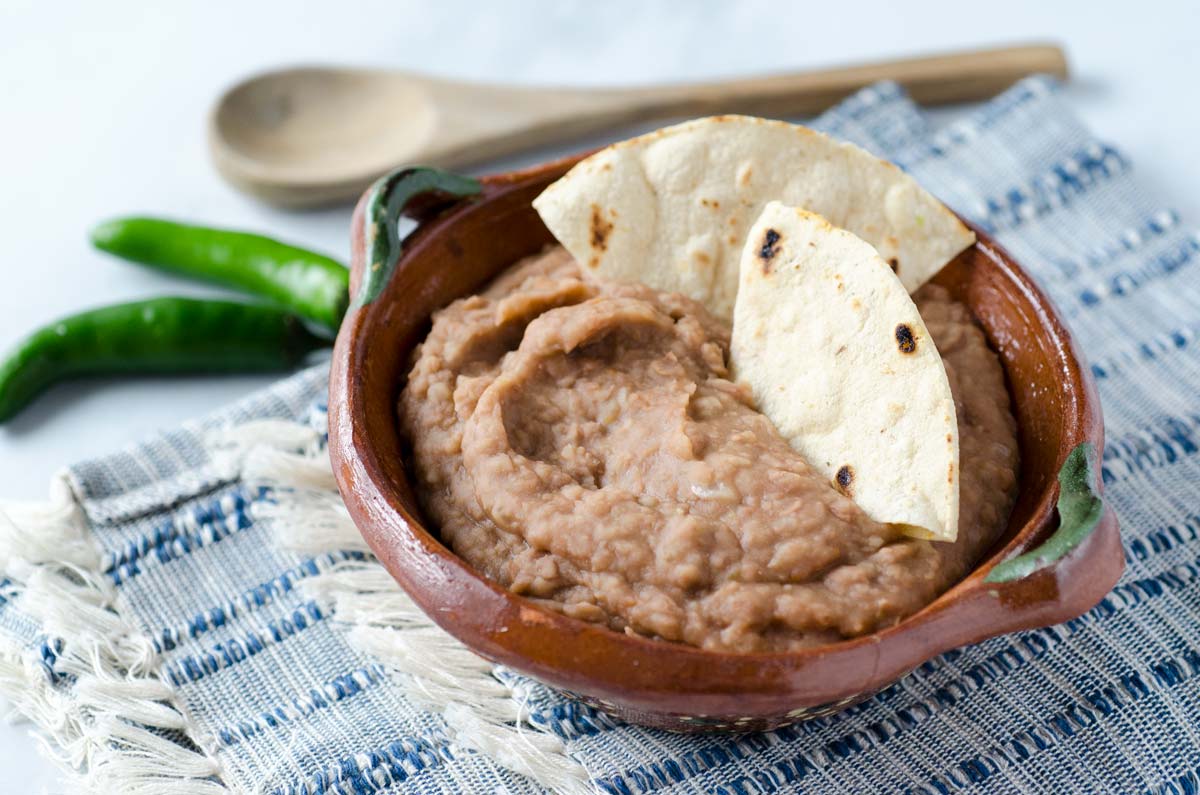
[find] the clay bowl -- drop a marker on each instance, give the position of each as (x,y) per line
(652,682)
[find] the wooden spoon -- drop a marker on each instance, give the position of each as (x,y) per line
(311,136)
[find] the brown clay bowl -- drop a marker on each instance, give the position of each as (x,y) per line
(656,683)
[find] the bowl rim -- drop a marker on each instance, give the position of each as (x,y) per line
(528,637)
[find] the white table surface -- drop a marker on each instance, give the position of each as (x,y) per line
(104,108)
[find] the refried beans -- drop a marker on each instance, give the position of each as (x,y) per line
(581,443)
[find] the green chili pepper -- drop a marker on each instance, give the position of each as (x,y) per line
(310,285)
(162,335)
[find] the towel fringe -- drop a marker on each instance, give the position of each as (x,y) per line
(386,624)
(98,704)
(106,728)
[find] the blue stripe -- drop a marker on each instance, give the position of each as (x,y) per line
(248,601)
(1148,351)
(1160,444)
(1152,228)
(668,771)
(1062,184)
(1165,538)
(1185,783)
(1125,282)
(989,116)
(376,770)
(201,525)
(317,698)
(194,667)
(571,720)
(196,516)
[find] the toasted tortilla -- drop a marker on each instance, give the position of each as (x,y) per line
(671,209)
(839,359)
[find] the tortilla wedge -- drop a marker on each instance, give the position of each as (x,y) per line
(839,359)
(672,208)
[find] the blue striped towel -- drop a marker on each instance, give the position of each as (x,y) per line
(174,624)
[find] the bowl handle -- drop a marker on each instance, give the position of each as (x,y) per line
(1080,509)
(1068,573)
(1061,578)
(418,193)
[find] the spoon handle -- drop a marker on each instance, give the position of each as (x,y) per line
(930,80)
(482,124)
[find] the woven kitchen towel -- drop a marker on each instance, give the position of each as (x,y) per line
(196,614)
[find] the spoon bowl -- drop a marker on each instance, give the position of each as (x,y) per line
(318,133)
